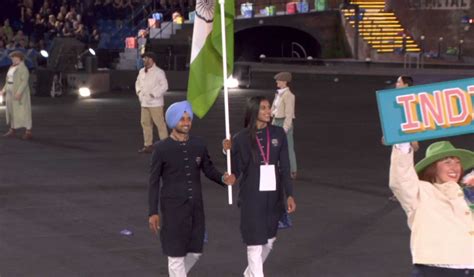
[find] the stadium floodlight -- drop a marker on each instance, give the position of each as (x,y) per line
(232,82)
(44,54)
(85,92)
(85,52)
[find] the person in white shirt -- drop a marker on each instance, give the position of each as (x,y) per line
(150,87)
(283,113)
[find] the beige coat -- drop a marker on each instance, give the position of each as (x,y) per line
(285,108)
(151,87)
(18,112)
(441,223)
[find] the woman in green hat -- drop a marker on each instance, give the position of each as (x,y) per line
(439,215)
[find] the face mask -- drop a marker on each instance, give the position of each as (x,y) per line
(281,90)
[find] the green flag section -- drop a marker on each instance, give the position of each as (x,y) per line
(206,70)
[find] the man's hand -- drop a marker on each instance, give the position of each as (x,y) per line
(226,144)
(154,223)
(229,179)
(290,202)
(17,96)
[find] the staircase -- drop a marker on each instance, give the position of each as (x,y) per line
(380,29)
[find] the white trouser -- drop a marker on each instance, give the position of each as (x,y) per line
(256,256)
(180,266)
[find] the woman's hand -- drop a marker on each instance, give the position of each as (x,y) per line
(226,144)
(414,144)
(290,202)
(154,223)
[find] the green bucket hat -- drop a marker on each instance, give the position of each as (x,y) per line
(443,149)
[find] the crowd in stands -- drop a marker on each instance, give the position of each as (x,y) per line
(129,9)
(33,24)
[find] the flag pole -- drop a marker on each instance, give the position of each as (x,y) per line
(226,92)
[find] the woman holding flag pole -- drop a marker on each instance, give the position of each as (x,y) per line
(260,157)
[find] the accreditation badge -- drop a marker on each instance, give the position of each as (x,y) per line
(267,178)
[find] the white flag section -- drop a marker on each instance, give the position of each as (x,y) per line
(202,25)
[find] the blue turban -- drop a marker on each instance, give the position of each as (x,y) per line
(175,112)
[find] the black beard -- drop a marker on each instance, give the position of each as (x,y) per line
(182,132)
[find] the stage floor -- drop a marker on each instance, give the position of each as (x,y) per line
(66,195)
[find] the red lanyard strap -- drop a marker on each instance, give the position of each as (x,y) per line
(266,159)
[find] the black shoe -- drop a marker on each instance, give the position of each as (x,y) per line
(146,150)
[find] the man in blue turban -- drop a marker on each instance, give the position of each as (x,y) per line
(176,111)
(177,208)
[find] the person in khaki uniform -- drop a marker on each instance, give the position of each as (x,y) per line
(283,113)
(438,211)
(17,97)
(150,87)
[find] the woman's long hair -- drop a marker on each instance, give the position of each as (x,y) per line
(250,121)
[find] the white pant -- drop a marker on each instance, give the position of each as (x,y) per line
(180,266)
(256,256)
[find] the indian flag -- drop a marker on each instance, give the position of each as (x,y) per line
(206,71)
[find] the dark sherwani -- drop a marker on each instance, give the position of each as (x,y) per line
(179,164)
(261,210)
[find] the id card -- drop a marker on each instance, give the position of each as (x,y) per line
(267,178)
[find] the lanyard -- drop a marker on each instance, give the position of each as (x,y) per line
(266,159)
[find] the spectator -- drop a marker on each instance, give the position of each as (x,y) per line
(7,29)
(67,30)
(45,9)
(22,43)
(59,24)
(27,21)
(72,14)
(19,37)
(62,12)
(81,34)
(51,27)
(39,28)
(95,37)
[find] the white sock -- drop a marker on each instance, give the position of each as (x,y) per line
(190,260)
(176,267)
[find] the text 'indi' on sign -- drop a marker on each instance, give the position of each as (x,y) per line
(443,108)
